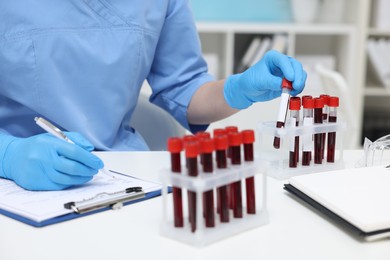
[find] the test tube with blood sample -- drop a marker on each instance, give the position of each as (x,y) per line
(235,141)
(307,142)
(333,105)
(248,138)
(295,106)
(207,148)
(221,145)
(192,152)
(318,119)
(286,88)
(175,146)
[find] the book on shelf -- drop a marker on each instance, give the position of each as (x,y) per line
(258,47)
(248,55)
(279,43)
(265,46)
(378,55)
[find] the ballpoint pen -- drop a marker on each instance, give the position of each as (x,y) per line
(52,129)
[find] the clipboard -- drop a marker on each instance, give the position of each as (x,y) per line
(356,198)
(82,206)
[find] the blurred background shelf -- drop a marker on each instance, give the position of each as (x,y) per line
(335,39)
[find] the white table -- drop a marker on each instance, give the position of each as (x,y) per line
(295,231)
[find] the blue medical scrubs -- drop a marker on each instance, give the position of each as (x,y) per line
(81,64)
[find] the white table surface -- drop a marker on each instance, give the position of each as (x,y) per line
(295,230)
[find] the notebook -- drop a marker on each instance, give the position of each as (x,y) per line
(358,198)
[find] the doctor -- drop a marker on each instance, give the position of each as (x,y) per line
(81,64)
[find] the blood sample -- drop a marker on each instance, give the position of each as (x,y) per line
(248,138)
(202,135)
(235,141)
(230,129)
(175,146)
(221,144)
(207,148)
(318,106)
(307,142)
(187,139)
(218,132)
(286,88)
(333,105)
(192,152)
(295,106)
(324,119)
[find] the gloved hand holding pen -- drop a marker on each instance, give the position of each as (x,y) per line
(262,82)
(44,162)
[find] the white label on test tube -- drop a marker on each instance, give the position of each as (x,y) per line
(308,144)
(293,124)
(283,107)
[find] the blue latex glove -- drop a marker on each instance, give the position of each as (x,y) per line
(262,82)
(45,162)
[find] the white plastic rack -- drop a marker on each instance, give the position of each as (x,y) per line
(210,181)
(278,159)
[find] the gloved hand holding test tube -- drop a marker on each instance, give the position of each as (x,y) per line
(52,129)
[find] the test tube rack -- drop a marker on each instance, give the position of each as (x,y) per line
(203,235)
(278,159)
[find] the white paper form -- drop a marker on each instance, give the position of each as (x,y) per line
(42,205)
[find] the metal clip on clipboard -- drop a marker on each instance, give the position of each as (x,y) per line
(114,200)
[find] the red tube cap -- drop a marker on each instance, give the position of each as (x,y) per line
(248,136)
(235,139)
(206,145)
(219,131)
(287,84)
(203,135)
(175,145)
(295,103)
(306,96)
(319,102)
(192,149)
(326,99)
(221,142)
(189,138)
(333,101)
(231,129)
(308,103)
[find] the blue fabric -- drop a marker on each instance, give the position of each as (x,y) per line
(81,63)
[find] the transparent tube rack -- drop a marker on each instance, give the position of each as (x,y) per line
(203,235)
(278,159)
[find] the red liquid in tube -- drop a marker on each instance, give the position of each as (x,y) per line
(175,146)
(307,140)
(295,106)
(221,145)
(192,152)
(248,138)
(325,112)
(333,105)
(318,119)
(207,148)
(235,141)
